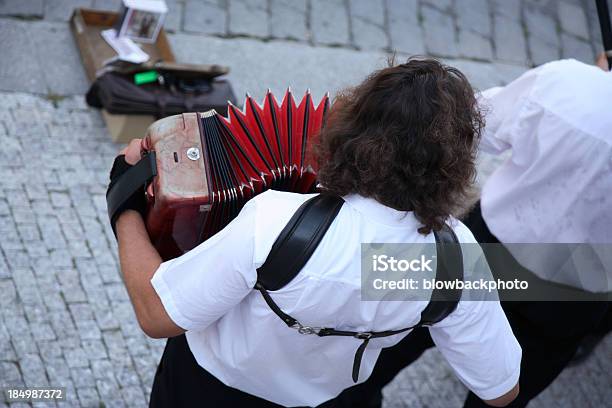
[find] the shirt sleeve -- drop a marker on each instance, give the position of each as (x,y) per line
(502,106)
(202,285)
(479,345)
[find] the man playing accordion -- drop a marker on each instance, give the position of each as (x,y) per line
(399,149)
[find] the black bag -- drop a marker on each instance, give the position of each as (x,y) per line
(176,93)
(299,239)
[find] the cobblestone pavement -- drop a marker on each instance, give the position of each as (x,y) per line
(65,318)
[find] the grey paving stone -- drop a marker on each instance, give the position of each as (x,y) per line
(27,287)
(573,47)
(88,396)
(33,371)
(43,332)
(81,312)
(472,45)
(103,370)
(76,358)
(541,26)
(61,321)
(36,314)
(50,350)
(145,367)
(82,377)
(126,375)
(508,8)
(107,5)
(9,292)
(173,21)
(444,5)
(61,10)
(439,32)
(114,341)
(573,19)
(137,346)
(368,24)
(405,32)
(94,349)
(10,375)
(329,22)
(107,390)
(133,395)
(248,17)
(510,40)
(16,46)
(288,19)
(206,17)
(473,15)
(59,57)
(542,52)
(20,8)
(117,293)
(24,345)
(58,371)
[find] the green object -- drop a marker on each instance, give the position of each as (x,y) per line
(145,77)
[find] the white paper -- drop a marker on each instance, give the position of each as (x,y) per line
(126,49)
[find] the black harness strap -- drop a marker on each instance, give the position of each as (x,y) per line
(137,177)
(300,238)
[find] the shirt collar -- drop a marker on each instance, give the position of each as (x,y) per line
(376,211)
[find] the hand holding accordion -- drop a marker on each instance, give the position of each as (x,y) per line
(203,167)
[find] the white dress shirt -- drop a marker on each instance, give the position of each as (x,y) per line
(234,335)
(556,186)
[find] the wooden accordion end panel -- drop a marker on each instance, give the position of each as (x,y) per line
(209,165)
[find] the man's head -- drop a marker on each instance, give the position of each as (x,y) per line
(407,137)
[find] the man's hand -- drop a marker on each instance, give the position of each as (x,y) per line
(602,61)
(123,163)
(132,151)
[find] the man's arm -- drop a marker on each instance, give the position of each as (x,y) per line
(139,261)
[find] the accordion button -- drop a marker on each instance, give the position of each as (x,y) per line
(193,153)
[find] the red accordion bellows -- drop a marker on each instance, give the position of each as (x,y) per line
(208,166)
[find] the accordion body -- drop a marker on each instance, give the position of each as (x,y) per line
(209,165)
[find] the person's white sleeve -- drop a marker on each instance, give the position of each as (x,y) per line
(202,285)
(502,108)
(479,345)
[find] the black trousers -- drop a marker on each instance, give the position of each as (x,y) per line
(180,382)
(548,332)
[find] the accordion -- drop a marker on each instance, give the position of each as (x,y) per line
(201,168)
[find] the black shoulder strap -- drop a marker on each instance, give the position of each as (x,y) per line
(298,240)
(449,268)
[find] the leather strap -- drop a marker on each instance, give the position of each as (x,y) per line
(449,268)
(137,177)
(298,240)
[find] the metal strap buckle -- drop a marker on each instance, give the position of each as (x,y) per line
(364,335)
(305,329)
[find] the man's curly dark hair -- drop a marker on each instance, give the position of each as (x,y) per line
(407,137)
